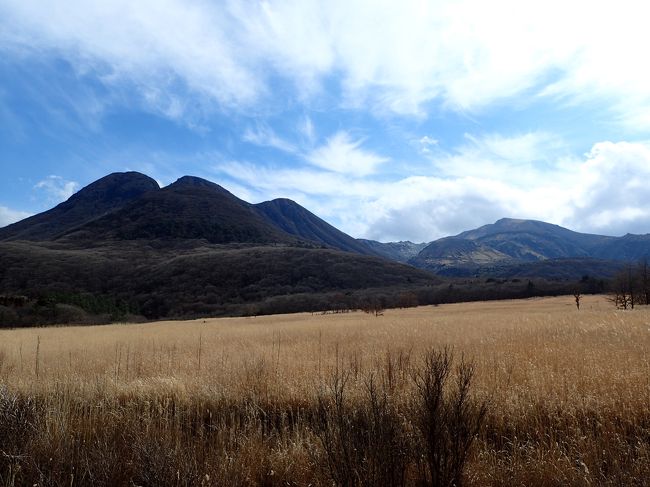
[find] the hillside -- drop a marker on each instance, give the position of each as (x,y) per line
(194,278)
(401,251)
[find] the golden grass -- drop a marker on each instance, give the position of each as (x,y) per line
(568,390)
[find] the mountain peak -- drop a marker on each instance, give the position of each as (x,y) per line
(116,188)
(290,217)
(508,225)
(93,201)
(193,182)
(283,201)
(511,221)
(196,183)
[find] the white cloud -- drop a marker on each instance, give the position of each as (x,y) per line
(521,159)
(274,182)
(339,154)
(426,144)
(603,192)
(154,45)
(56,188)
(8,216)
(611,192)
(264,136)
(424,208)
(343,155)
(396,56)
(306,129)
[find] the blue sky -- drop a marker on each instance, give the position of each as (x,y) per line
(391,120)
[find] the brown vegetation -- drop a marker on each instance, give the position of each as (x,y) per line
(345,399)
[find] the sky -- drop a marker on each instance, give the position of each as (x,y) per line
(391,120)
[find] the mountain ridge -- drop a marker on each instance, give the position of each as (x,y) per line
(512,243)
(132,206)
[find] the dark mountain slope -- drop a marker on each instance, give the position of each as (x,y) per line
(190,208)
(296,220)
(628,248)
(161,279)
(401,251)
(567,269)
(100,198)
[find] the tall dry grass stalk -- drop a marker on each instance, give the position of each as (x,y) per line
(283,400)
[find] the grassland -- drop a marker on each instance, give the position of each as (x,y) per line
(288,399)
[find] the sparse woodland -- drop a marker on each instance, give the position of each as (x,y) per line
(631,287)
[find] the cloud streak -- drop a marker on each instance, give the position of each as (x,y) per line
(342,154)
(264,136)
(396,57)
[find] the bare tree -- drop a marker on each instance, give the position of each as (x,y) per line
(644,281)
(630,285)
(577,296)
(374,305)
(623,289)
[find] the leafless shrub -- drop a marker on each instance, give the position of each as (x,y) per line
(447,417)
(363,441)
(366,441)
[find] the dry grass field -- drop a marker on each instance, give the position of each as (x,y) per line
(334,399)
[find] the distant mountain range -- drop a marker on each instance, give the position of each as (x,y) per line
(132,207)
(193,248)
(513,247)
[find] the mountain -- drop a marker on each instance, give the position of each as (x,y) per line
(190,208)
(513,247)
(296,220)
(535,240)
(401,251)
(189,249)
(100,198)
(131,206)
